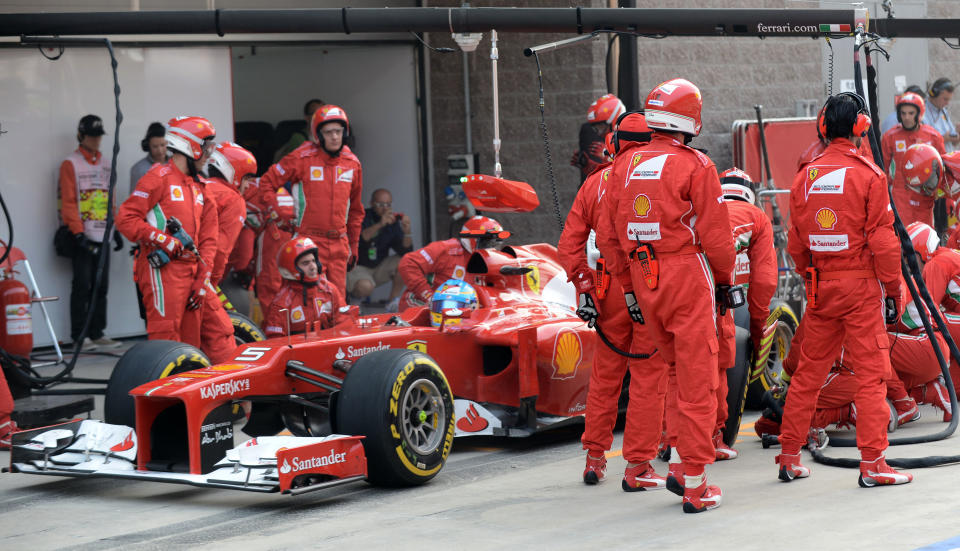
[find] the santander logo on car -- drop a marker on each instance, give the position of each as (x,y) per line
(312,462)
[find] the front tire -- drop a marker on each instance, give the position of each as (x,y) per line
(145,362)
(737,387)
(401,402)
(244,330)
(772,374)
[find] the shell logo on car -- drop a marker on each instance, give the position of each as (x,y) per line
(567,353)
(826,218)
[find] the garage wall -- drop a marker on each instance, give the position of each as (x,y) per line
(375,84)
(43,101)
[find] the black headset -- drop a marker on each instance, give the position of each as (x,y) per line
(939,86)
(627,136)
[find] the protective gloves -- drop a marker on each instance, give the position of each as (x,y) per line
(117,241)
(198,290)
(633,308)
(891,310)
(85,244)
(587,309)
(170,244)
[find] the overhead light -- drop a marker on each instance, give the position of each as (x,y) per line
(467,41)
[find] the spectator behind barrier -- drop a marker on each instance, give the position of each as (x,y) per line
(382,230)
(154,144)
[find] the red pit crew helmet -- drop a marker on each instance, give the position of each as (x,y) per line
(737,184)
(674,106)
(328,113)
(606,109)
(922,168)
(481,232)
(951,162)
(291,252)
(234,162)
(911,99)
(190,136)
(924,238)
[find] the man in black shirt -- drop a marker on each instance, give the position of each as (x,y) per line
(382,230)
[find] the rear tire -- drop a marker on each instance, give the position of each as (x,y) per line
(737,387)
(244,330)
(772,374)
(145,362)
(401,402)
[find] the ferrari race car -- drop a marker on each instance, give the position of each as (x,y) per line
(379,396)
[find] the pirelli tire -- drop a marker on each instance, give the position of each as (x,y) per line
(401,402)
(244,330)
(737,387)
(772,372)
(145,362)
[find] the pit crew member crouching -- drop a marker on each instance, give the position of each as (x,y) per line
(446,259)
(306,296)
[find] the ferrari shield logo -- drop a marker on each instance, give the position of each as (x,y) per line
(812,173)
(533,279)
(636,159)
(418,345)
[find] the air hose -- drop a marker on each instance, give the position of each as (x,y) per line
(918,291)
(34,378)
(616,349)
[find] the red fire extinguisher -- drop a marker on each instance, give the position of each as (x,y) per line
(16,326)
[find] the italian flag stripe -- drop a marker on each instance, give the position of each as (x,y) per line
(834,28)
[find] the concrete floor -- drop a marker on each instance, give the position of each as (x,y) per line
(497,494)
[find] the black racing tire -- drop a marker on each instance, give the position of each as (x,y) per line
(237,294)
(401,402)
(737,387)
(145,362)
(772,374)
(244,330)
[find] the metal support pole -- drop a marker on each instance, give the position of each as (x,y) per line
(494,56)
(628,84)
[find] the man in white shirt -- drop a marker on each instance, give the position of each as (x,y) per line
(937,115)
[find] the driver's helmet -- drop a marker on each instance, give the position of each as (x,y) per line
(453,294)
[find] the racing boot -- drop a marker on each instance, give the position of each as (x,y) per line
(906,409)
(697,496)
(641,477)
(934,393)
(724,451)
(790,467)
(878,473)
(596,469)
(675,478)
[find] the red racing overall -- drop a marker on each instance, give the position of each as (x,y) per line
(442,259)
(841,225)
(912,206)
(304,304)
(609,367)
(328,207)
(668,195)
(163,192)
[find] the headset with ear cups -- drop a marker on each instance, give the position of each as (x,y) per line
(938,86)
(862,123)
(627,135)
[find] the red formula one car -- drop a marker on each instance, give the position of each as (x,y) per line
(379,396)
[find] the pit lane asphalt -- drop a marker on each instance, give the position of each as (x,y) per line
(497,494)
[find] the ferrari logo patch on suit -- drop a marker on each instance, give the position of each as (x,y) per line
(344,175)
(641,205)
(316,173)
(650,169)
(826,218)
(567,353)
(830,183)
(176,193)
(812,173)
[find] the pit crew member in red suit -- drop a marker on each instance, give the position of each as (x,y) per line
(671,241)
(306,295)
(445,259)
(600,301)
(166,190)
(7,426)
(229,167)
(601,115)
(951,166)
(816,148)
(756,269)
(327,182)
(913,203)
(847,240)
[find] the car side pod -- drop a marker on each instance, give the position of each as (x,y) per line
(288,464)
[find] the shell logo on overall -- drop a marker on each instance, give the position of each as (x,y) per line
(826,218)
(641,205)
(567,354)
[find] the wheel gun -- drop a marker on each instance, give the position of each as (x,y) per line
(158,257)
